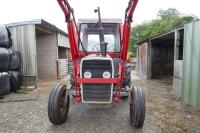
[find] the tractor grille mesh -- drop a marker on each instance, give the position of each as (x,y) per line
(96,92)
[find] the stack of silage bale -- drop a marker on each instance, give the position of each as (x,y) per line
(10,63)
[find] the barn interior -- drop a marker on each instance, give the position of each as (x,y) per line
(163,55)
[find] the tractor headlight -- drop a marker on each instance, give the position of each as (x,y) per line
(87,74)
(106,74)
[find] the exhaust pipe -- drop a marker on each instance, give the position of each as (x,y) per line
(104,48)
(103,44)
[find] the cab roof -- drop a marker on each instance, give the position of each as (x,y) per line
(118,21)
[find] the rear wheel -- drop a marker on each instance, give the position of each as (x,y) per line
(58,105)
(72,79)
(137,107)
(127,80)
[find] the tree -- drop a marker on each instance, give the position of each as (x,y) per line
(169,13)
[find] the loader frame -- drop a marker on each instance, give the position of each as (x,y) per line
(74,40)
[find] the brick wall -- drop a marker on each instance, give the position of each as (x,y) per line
(46,47)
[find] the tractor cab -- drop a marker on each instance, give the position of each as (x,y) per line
(90,38)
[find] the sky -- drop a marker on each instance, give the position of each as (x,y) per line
(49,10)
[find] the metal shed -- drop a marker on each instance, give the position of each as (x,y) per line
(156,56)
(162,55)
(44,49)
(174,53)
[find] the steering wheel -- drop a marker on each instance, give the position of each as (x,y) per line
(95,47)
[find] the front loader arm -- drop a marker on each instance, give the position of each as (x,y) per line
(130,10)
(67,10)
(127,28)
(125,42)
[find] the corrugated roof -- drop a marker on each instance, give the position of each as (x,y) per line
(42,22)
(160,34)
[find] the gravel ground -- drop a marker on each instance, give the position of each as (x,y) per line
(27,112)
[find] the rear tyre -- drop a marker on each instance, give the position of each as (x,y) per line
(127,80)
(137,107)
(71,79)
(128,75)
(58,105)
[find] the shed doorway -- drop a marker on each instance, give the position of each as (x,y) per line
(162,55)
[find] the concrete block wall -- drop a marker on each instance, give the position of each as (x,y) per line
(47,55)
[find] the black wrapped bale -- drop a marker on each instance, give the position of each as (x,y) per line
(15,80)
(5,37)
(15,60)
(4,59)
(4,83)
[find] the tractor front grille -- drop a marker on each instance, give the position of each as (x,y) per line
(96,93)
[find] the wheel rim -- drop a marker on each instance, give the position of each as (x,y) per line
(62,106)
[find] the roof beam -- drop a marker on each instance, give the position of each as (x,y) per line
(44,30)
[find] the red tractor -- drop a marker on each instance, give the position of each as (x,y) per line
(102,74)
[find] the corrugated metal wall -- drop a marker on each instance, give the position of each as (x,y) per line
(191,65)
(23,38)
(141,66)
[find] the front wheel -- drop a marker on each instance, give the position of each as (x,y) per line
(137,107)
(58,105)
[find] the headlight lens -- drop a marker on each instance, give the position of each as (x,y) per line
(87,74)
(106,74)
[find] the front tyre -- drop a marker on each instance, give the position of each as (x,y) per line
(58,105)
(137,107)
